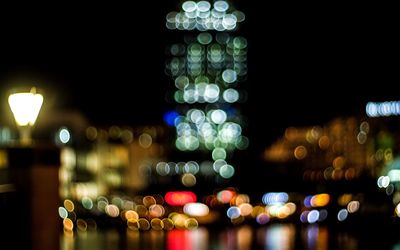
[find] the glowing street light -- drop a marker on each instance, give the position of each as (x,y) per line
(25,107)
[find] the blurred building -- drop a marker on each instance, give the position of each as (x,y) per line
(207,66)
(96,160)
(345,149)
(339,150)
(113,160)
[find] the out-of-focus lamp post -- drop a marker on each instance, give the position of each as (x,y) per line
(25,107)
(33,172)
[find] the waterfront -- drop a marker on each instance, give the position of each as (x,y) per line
(275,236)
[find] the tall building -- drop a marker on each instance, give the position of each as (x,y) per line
(208,66)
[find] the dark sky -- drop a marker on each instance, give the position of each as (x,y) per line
(307,64)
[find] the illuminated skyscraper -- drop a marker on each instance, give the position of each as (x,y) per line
(207,69)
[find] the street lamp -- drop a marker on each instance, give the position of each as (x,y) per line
(25,107)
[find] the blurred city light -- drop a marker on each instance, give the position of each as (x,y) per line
(376,109)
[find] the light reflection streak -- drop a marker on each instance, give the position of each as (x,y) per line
(187,239)
(316,237)
(280,236)
(244,237)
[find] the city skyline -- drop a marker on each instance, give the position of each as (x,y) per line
(281,133)
(305,67)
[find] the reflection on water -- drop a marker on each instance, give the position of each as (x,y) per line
(279,236)
(315,237)
(275,236)
(185,239)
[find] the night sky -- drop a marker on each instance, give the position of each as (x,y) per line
(307,64)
